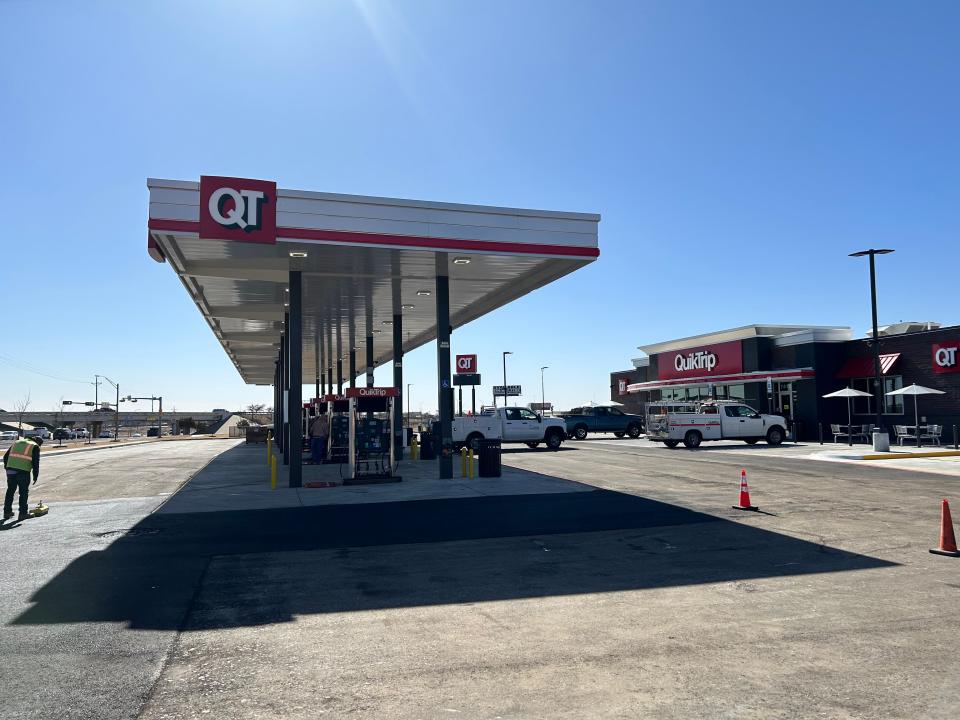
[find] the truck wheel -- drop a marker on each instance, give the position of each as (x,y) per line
(619,434)
(671,443)
(533,445)
(692,439)
(554,440)
(633,430)
(580,432)
(751,441)
(775,436)
(473,441)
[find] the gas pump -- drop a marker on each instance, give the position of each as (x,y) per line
(371,452)
(338,441)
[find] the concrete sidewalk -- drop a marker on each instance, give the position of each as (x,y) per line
(239,479)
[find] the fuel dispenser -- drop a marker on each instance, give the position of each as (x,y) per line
(338,441)
(371,452)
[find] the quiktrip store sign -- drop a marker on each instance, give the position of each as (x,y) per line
(705,361)
(238,209)
(946,357)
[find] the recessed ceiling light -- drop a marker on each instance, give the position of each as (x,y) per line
(408,306)
(303,255)
(387,322)
(461,261)
(423,293)
(286,304)
(377,331)
(286,289)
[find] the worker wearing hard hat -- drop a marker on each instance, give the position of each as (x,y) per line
(20,460)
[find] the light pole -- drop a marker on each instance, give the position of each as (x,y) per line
(877,378)
(408,403)
(543,401)
(505,353)
(116,407)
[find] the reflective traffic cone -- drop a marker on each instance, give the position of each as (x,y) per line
(744,494)
(948,542)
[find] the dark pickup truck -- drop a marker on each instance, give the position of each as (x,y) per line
(583,420)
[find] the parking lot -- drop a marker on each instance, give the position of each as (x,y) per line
(632,591)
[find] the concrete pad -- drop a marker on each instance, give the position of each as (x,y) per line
(239,480)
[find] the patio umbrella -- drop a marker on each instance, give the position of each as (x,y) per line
(848,393)
(916,390)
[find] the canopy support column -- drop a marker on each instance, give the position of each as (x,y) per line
(285,418)
(339,376)
(353,367)
(444,391)
(295,401)
(369,360)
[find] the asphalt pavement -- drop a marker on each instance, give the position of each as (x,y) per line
(647,596)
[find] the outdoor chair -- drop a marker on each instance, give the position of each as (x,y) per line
(864,432)
(903,434)
(932,433)
(838,433)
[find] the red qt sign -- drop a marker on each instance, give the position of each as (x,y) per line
(946,357)
(362,392)
(466,364)
(705,361)
(238,209)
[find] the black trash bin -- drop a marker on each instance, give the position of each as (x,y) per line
(427,449)
(489,458)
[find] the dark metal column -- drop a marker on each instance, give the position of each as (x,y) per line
(295,400)
(339,376)
(353,367)
(444,391)
(398,383)
(369,360)
(285,381)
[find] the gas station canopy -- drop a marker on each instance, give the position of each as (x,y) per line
(365,263)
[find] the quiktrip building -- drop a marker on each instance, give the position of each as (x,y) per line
(788,369)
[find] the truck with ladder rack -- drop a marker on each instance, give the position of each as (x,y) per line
(695,422)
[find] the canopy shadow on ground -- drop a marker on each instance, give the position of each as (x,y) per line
(246,568)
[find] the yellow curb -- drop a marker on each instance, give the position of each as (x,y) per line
(896,456)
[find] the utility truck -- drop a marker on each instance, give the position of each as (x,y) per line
(691,423)
(509,425)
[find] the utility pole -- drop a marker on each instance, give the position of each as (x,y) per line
(116,407)
(505,353)
(543,402)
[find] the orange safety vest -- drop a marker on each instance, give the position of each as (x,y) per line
(21,455)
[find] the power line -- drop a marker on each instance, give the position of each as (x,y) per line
(27,367)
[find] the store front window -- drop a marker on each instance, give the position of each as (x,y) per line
(692,394)
(892,404)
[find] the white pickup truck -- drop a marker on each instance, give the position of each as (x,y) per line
(509,425)
(691,423)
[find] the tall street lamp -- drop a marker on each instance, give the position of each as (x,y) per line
(878,379)
(543,401)
(505,353)
(116,407)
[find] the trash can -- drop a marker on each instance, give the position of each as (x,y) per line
(489,458)
(427,449)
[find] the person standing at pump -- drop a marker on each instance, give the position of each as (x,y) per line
(319,430)
(20,459)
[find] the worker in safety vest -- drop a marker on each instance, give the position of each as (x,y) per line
(21,458)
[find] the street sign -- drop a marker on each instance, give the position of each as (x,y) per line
(466,364)
(466,379)
(511,390)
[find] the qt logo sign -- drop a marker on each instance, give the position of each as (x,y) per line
(238,209)
(945,358)
(466,364)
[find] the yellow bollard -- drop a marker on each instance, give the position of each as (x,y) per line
(273,471)
(470,460)
(463,462)
(414,449)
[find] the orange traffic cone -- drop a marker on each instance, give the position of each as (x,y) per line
(744,494)
(948,542)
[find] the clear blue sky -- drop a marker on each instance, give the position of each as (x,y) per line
(737,152)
